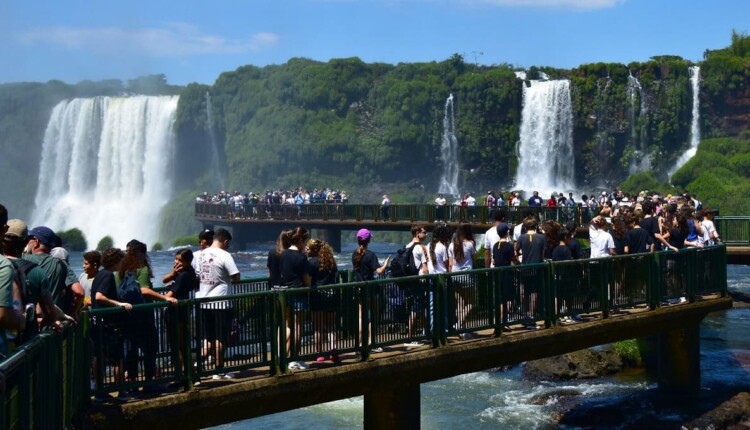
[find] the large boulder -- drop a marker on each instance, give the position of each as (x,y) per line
(583,364)
(732,414)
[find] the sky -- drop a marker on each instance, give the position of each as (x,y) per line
(192,41)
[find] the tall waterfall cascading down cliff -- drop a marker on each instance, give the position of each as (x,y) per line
(106,167)
(215,158)
(449,153)
(695,130)
(641,161)
(545,153)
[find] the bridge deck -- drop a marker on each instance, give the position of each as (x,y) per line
(255,393)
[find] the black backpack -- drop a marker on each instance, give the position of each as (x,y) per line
(21,276)
(403,263)
(130,291)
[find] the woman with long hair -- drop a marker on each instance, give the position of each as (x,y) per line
(295,272)
(366,267)
(323,303)
(141,331)
(461,258)
(185,282)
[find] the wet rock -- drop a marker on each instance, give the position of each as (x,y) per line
(584,364)
(732,414)
(557,395)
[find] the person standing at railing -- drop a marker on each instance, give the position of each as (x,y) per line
(602,243)
(530,250)
(366,267)
(490,236)
(217,272)
(461,258)
(653,225)
(440,208)
(295,271)
(185,282)
(385,208)
(325,272)
(108,330)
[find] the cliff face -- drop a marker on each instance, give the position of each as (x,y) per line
(729,116)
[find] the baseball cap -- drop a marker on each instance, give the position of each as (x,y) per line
(364,234)
(502,229)
(17,228)
(60,253)
(45,235)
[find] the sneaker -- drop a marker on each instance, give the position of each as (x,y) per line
(682,300)
(466,336)
(103,397)
(298,365)
(334,357)
(413,344)
(320,359)
(217,376)
(532,326)
(229,375)
(377,350)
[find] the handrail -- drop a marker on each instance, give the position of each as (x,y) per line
(357,316)
(411,213)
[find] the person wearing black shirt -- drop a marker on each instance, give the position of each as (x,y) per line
(531,247)
(295,272)
(185,282)
(323,302)
(366,267)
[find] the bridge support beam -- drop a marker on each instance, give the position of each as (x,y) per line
(394,406)
(332,236)
(679,361)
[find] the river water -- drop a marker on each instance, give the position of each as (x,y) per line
(502,399)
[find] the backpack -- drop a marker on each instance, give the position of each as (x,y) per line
(403,263)
(20,275)
(129,290)
(22,269)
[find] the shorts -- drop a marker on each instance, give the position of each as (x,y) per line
(216,324)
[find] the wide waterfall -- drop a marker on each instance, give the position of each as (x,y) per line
(695,130)
(106,167)
(545,153)
(449,152)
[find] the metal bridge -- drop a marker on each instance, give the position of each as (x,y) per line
(422,324)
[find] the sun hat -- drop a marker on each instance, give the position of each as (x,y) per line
(364,234)
(17,228)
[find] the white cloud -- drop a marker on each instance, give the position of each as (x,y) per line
(173,40)
(557,4)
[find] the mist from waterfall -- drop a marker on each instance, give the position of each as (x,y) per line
(106,167)
(215,158)
(449,152)
(695,131)
(545,153)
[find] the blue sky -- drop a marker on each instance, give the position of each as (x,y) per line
(191,41)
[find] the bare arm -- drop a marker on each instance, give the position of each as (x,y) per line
(101,298)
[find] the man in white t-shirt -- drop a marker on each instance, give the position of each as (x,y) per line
(216,274)
(440,208)
(491,238)
(415,293)
(602,244)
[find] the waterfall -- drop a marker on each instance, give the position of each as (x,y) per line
(695,131)
(637,111)
(545,159)
(449,152)
(215,159)
(106,167)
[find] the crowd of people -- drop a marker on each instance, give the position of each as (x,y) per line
(260,205)
(38,288)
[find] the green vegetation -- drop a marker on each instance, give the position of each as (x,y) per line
(105,243)
(186,241)
(629,352)
(157,247)
(73,239)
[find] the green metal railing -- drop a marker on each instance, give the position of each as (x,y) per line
(733,230)
(411,213)
(46,381)
(166,342)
